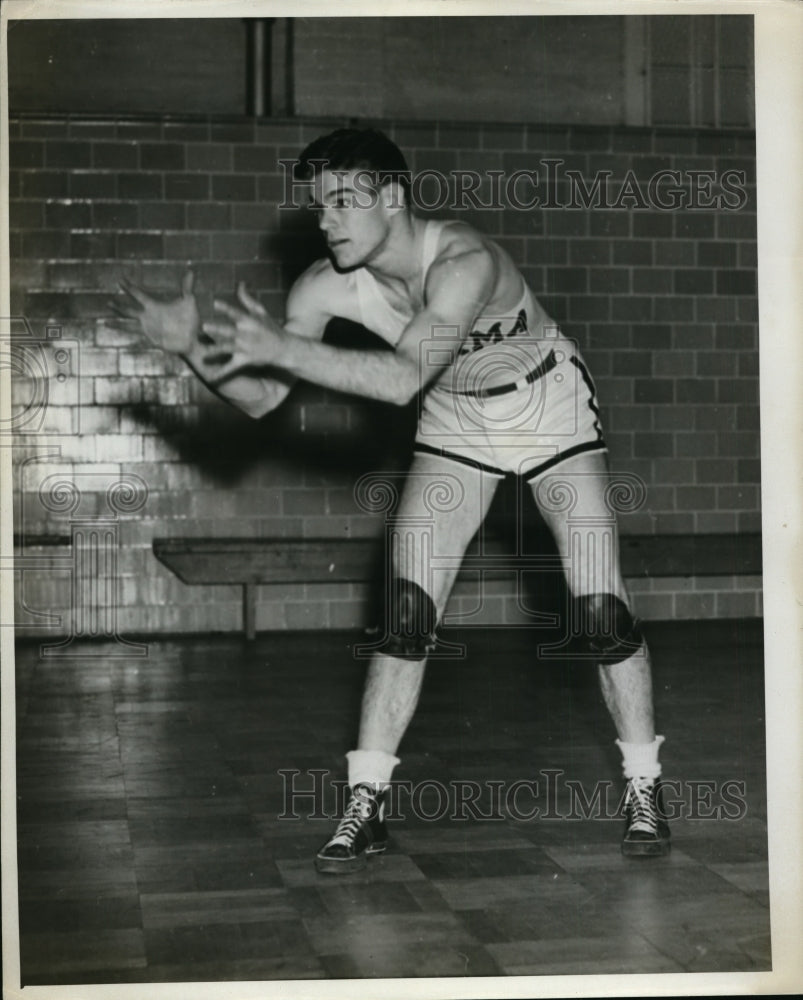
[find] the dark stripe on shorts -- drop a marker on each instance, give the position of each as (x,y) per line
(578,449)
(428,449)
(592,402)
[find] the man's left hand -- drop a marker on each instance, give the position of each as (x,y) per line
(251,338)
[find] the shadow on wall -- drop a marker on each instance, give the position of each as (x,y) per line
(295,244)
(224,444)
(336,435)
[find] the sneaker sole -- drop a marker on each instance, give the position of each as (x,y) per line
(345,866)
(646,848)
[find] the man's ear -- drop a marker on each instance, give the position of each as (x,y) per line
(393,196)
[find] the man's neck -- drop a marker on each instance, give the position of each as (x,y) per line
(400,257)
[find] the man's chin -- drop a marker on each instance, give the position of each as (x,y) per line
(344,261)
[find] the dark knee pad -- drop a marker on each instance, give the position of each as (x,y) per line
(410,622)
(606,628)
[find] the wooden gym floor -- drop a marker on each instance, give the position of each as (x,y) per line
(151,848)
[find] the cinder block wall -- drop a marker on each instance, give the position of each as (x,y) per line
(662,302)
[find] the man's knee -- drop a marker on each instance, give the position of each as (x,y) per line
(606,629)
(411,618)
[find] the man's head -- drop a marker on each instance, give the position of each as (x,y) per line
(359,187)
(358,149)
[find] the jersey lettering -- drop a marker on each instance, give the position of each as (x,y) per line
(493,335)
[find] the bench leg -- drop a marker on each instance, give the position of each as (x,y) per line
(250,610)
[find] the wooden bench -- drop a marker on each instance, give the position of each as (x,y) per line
(250,562)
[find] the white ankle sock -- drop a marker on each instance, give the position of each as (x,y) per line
(640,760)
(370,767)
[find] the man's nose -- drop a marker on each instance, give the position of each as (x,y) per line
(324,220)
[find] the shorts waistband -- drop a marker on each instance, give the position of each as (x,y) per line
(549,362)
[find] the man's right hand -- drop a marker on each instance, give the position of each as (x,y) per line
(171,324)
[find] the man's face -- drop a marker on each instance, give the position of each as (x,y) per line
(352,215)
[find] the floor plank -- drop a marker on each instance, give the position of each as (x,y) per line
(169,810)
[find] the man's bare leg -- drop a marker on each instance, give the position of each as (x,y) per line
(627,690)
(393,684)
(392,689)
(626,685)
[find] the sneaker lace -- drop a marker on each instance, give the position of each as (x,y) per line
(357,812)
(642,812)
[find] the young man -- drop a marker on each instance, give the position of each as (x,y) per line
(502,392)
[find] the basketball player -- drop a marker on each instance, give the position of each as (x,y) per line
(470,338)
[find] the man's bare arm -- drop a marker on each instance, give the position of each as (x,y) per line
(174,325)
(457,289)
(258,391)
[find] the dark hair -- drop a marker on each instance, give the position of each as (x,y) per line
(354,149)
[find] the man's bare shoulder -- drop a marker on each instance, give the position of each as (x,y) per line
(320,286)
(319,276)
(458,238)
(464,254)
(477,263)
(320,293)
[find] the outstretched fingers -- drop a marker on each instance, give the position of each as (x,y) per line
(232,312)
(132,304)
(134,291)
(251,304)
(220,333)
(123,309)
(224,333)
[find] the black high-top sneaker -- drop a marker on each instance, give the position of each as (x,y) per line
(646,829)
(361,832)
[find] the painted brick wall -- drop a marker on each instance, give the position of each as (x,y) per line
(662,303)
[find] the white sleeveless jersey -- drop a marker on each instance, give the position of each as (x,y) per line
(497,351)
